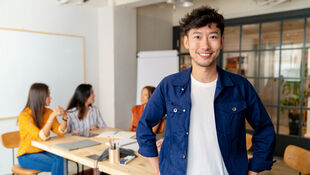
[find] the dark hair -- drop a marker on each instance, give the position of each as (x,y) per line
(37,95)
(81,94)
(200,17)
(150,89)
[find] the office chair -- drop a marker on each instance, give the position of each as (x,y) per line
(297,158)
(11,140)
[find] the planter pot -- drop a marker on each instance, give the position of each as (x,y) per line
(293,123)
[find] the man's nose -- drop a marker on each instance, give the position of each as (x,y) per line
(205,43)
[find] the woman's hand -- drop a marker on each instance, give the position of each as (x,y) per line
(93,128)
(58,111)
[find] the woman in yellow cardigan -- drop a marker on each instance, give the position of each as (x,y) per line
(35,123)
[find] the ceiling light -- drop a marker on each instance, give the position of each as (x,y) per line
(181,3)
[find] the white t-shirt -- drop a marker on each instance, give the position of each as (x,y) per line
(204,156)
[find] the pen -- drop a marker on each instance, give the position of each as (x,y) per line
(129,143)
(116,132)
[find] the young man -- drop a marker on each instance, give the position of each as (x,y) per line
(206,109)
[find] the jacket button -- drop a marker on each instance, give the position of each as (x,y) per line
(184,156)
(175,110)
(184,110)
(234,109)
(182,89)
(186,133)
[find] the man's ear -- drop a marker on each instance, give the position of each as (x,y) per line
(185,41)
(222,42)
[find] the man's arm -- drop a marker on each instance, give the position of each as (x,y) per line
(152,115)
(252,173)
(264,135)
(154,162)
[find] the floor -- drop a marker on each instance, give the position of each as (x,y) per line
(279,168)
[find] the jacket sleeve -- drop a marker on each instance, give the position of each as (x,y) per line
(152,115)
(264,134)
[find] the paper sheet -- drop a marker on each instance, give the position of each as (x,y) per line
(129,144)
(118,134)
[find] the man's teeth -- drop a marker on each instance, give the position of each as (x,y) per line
(205,54)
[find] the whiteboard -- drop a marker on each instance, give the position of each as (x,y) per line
(153,66)
(27,57)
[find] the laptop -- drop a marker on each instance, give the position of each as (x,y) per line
(78,144)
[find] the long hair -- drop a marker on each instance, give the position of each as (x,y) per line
(37,95)
(81,94)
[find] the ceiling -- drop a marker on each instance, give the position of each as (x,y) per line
(102,3)
(140,3)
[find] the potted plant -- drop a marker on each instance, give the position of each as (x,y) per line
(291,97)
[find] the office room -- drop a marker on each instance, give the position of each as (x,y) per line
(265,41)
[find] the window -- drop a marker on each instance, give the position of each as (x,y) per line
(273,56)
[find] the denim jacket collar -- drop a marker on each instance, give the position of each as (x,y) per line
(223,78)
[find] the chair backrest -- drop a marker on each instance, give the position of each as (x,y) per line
(162,126)
(297,158)
(10,139)
(248,141)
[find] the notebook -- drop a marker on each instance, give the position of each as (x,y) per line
(117,134)
(78,144)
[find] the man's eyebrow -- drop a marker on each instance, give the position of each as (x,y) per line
(196,32)
(213,32)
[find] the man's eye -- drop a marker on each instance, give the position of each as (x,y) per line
(213,37)
(196,37)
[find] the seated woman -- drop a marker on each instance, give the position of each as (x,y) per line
(137,110)
(82,115)
(35,123)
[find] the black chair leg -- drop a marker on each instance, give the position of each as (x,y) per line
(77,169)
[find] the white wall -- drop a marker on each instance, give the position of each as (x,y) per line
(240,8)
(48,16)
(117,58)
(125,64)
(154,27)
(106,64)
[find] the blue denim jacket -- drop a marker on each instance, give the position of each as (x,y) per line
(235,100)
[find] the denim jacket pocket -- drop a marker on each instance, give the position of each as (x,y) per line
(232,115)
(175,118)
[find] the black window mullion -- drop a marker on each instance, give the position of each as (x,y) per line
(240,45)
(259,56)
(302,84)
(280,77)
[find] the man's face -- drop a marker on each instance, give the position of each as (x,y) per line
(204,45)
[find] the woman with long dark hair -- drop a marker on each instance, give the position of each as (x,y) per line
(83,115)
(35,123)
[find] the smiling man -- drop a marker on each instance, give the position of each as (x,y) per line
(206,110)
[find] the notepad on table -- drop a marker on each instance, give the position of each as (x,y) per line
(78,144)
(129,144)
(118,134)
